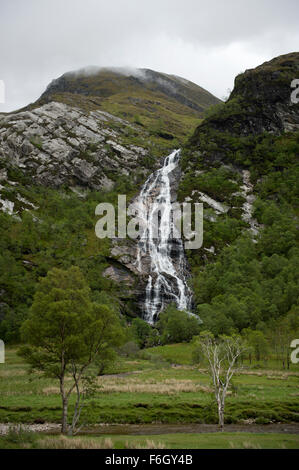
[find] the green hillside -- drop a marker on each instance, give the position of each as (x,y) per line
(166,105)
(249,279)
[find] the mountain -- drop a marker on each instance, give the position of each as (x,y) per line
(95,134)
(157,101)
(104,83)
(91,136)
(90,128)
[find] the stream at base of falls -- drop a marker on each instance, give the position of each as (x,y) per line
(167,263)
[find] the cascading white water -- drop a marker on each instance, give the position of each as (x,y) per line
(166,281)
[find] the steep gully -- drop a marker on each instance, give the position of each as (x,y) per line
(163,253)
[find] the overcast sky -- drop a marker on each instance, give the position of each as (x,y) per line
(208,42)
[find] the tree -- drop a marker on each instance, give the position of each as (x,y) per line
(221,356)
(284,331)
(141,331)
(257,343)
(176,326)
(129,349)
(107,358)
(66,334)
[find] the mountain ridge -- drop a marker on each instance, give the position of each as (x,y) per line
(93,81)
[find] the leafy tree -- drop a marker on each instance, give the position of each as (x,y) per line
(214,319)
(141,331)
(106,359)
(282,333)
(257,343)
(66,333)
(246,287)
(176,326)
(129,349)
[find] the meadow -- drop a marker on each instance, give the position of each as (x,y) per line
(160,385)
(165,441)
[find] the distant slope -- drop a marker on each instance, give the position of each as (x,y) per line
(168,106)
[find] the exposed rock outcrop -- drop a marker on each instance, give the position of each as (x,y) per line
(260,101)
(61,145)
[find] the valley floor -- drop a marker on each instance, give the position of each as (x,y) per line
(157,397)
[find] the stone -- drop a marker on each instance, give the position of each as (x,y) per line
(57,143)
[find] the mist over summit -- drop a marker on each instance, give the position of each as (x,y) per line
(103,82)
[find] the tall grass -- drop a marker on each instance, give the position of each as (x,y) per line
(148,444)
(63,442)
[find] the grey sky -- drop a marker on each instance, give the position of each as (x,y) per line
(208,42)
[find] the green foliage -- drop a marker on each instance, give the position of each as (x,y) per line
(106,360)
(263,153)
(176,326)
(59,233)
(257,342)
(210,182)
(220,111)
(36,141)
(144,334)
(137,120)
(281,333)
(17,437)
(246,286)
(63,322)
(280,233)
(66,333)
(129,349)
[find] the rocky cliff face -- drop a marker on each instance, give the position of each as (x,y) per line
(265,94)
(260,101)
(232,152)
(68,137)
(57,144)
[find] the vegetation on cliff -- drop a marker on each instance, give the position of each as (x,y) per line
(248,279)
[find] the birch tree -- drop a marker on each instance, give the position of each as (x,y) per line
(221,356)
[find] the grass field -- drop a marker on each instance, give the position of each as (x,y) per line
(153,390)
(166,441)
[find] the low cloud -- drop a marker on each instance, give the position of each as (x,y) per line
(205,42)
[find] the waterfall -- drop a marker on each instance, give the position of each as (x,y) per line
(158,253)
